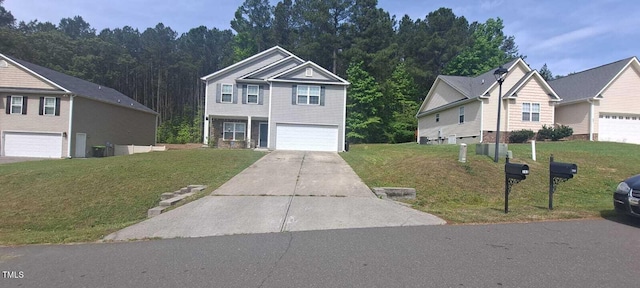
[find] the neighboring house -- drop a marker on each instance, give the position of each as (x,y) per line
(277,101)
(53,115)
(464,109)
(602,103)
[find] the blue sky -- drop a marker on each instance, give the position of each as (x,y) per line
(568,36)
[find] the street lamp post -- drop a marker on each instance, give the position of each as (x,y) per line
(499,75)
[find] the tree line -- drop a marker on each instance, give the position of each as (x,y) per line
(390,62)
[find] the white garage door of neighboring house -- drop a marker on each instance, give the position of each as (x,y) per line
(306,137)
(616,128)
(27,144)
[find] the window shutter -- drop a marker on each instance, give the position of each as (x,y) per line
(41,109)
(24,105)
(8,107)
(244,94)
(322,95)
(57,106)
(218,92)
(260,95)
(294,92)
(235,94)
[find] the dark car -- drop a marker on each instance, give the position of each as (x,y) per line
(626,199)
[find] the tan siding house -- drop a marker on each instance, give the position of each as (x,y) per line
(602,103)
(527,103)
(275,100)
(52,115)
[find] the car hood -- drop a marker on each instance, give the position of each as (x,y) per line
(633,182)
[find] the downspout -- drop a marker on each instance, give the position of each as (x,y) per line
(205,129)
(590,119)
(269,120)
(481,119)
(70,133)
(344,120)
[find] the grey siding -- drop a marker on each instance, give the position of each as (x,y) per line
(283,111)
(238,109)
(111,123)
(300,74)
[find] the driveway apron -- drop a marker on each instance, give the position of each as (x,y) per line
(283,191)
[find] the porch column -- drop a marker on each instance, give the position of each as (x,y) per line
(248,132)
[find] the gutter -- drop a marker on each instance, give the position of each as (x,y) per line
(591,104)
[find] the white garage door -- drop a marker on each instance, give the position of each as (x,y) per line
(617,128)
(306,137)
(25,144)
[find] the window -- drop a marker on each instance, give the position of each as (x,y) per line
(16,104)
(252,94)
(233,131)
(531,112)
(308,95)
(49,107)
(461,117)
(227,93)
(437,117)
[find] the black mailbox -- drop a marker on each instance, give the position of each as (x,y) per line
(516,171)
(563,170)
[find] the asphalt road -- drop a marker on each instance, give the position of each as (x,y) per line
(592,253)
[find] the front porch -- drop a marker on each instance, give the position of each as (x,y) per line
(238,132)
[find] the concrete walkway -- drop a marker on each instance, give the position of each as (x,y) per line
(283,191)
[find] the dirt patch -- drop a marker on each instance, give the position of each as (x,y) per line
(181,146)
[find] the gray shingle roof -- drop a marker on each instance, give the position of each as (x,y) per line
(84,88)
(587,84)
(473,87)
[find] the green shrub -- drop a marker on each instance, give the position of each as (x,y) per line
(554,134)
(560,132)
(521,136)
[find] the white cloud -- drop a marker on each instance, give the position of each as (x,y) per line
(561,41)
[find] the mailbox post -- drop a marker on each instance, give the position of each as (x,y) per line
(513,173)
(559,172)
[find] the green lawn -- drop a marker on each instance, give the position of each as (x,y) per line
(74,200)
(473,192)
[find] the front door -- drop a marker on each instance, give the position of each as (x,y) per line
(264,135)
(81,145)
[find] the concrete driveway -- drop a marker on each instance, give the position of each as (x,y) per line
(283,191)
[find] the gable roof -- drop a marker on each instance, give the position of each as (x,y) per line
(256,56)
(80,87)
(284,61)
(338,80)
(590,83)
(533,73)
(470,87)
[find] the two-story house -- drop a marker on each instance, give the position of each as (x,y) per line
(48,114)
(465,109)
(277,101)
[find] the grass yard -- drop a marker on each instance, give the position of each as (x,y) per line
(473,192)
(75,200)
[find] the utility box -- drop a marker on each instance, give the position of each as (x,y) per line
(98,151)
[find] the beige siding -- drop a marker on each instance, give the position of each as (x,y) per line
(490,113)
(623,95)
(111,123)
(15,77)
(531,92)
(575,116)
(428,127)
(442,94)
(32,121)
(283,111)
